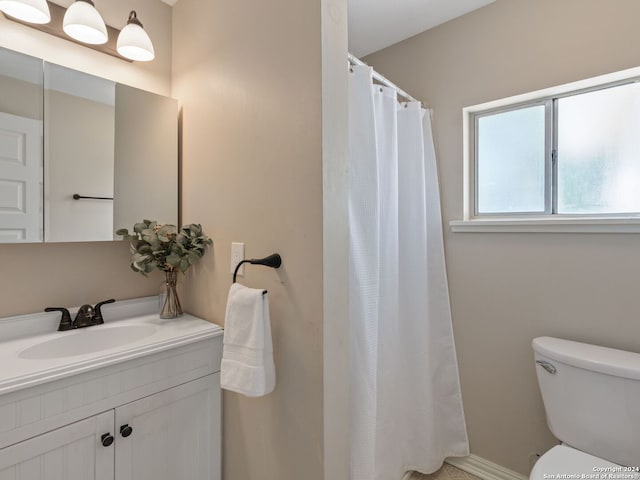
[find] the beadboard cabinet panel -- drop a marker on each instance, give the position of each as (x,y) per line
(174,434)
(74,452)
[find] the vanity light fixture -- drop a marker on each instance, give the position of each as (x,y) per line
(81,23)
(133,41)
(84,23)
(32,11)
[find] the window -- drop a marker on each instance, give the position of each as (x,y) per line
(511,161)
(575,153)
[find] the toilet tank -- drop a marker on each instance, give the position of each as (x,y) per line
(592,397)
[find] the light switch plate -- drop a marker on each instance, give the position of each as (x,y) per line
(237,255)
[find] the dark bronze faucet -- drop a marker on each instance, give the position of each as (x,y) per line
(65,322)
(87,316)
(97,316)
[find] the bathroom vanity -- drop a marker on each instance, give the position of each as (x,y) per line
(137,398)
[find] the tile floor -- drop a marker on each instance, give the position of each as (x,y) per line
(447,472)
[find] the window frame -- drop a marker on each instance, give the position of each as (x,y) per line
(548,161)
(549,220)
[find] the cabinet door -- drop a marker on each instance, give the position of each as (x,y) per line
(172,435)
(74,452)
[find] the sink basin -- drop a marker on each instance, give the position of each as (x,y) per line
(87,340)
(33,352)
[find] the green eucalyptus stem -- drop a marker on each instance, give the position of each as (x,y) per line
(164,247)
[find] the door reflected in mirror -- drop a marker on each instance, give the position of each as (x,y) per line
(21,128)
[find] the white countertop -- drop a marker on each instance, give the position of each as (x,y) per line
(22,332)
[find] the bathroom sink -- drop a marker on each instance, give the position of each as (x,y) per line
(33,351)
(87,340)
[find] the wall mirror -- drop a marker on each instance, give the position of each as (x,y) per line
(81,156)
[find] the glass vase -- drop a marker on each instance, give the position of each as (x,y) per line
(169,302)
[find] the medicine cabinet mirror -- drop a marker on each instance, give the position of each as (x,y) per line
(81,156)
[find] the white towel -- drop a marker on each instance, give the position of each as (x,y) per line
(247,354)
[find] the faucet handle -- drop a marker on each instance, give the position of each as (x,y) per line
(97,318)
(84,317)
(65,320)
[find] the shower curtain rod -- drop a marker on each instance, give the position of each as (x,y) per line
(385,81)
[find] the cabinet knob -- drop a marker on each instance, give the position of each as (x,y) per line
(126,430)
(107,439)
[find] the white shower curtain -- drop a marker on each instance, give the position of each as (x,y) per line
(406,409)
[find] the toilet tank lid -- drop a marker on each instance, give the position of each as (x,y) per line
(605,360)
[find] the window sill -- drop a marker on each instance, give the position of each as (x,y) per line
(548,225)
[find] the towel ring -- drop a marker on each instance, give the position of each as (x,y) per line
(273,261)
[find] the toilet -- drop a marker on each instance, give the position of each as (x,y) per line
(591,395)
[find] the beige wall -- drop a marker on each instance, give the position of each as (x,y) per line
(248,77)
(36,276)
(509,288)
(20,98)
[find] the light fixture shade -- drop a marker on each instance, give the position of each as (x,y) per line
(133,41)
(83,23)
(32,11)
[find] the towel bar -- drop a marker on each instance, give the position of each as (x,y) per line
(274,261)
(77,196)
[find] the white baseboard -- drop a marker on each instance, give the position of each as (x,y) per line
(484,469)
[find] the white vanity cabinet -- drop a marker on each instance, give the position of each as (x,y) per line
(171,435)
(73,452)
(149,410)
